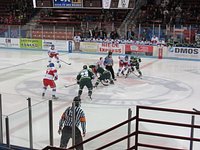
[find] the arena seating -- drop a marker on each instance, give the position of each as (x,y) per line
(14,12)
(44,3)
(172,12)
(71,17)
(78,18)
(60,35)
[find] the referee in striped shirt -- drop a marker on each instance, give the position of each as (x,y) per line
(65,124)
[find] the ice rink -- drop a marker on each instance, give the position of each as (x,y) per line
(165,83)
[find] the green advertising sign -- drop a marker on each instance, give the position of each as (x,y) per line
(30,43)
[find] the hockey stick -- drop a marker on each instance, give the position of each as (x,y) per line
(66,86)
(137,75)
(65,62)
(196,110)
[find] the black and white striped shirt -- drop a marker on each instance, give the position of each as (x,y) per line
(67,119)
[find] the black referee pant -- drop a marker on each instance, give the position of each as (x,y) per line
(110,68)
(67,134)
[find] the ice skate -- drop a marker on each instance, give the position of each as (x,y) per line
(111,82)
(43,94)
(90,96)
(54,97)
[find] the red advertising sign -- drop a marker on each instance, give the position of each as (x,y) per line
(113,47)
(138,48)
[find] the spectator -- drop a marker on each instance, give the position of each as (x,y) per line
(154,40)
(130,34)
(65,124)
(144,35)
(114,35)
(77,40)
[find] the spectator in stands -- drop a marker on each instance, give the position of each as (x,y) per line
(130,34)
(165,16)
(154,40)
(77,40)
(91,33)
(114,35)
(144,35)
(102,34)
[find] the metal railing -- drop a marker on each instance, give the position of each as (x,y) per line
(138,132)
(160,122)
(146,121)
(37,32)
(172,33)
(30,120)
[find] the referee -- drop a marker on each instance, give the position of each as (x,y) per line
(108,62)
(65,125)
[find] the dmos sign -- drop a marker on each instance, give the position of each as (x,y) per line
(184,52)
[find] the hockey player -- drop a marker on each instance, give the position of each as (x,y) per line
(48,80)
(100,62)
(84,78)
(123,64)
(53,53)
(134,63)
(102,74)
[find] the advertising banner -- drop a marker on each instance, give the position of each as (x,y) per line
(106,4)
(113,47)
(59,44)
(132,48)
(88,46)
(9,42)
(184,52)
(123,3)
(30,43)
(158,49)
(138,48)
(69,46)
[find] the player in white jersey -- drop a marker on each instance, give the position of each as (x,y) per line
(53,53)
(48,80)
(100,62)
(123,64)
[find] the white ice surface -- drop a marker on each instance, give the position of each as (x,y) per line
(165,83)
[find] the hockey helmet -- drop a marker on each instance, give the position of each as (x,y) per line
(109,53)
(84,66)
(52,47)
(132,57)
(92,66)
(51,65)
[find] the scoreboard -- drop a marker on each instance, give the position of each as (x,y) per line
(67,3)
(97,4)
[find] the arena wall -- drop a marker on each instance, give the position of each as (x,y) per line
(158,51)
